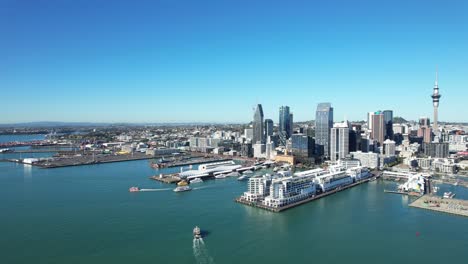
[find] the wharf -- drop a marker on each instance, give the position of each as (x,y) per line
(170,178)
(88,160)
(312,198)
(404,193)
(439,204)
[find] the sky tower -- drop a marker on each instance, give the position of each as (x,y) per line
(435,101)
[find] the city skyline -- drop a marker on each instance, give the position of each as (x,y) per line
(125,62)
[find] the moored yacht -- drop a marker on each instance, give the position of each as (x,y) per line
(196,180)
(182,186)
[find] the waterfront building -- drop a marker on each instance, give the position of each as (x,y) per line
(258,128)
(284,191)
(389,147)
(268,128)
(348,163)
(339,141)
(378,127)
(257,188)
(323,125)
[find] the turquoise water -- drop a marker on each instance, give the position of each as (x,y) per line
(86,215)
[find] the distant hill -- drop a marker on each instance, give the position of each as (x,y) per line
(399,120)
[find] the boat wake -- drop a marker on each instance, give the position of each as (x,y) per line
(199,188)
(200,252)
(154,190)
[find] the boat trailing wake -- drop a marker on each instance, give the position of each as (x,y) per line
(200,252)
(154,190)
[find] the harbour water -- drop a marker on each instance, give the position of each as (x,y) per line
(86,215)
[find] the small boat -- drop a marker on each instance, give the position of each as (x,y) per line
(182,186)
(242,178)
(134,189)
(275,169)
(196,180)
(248,172)
(220,176)
(449,195)
(196,232)
(456,183)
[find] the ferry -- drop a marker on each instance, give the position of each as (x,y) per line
(134,189)
(182,186)
(196,180)
(197,233)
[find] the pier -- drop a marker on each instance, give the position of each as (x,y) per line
(439,204)
(294,204)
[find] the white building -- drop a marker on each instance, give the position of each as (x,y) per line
(288,190)
(389,147)
(367,159)
(339,141)
(259,150)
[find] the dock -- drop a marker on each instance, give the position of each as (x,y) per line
(439,204)
(292,205)
(404,193)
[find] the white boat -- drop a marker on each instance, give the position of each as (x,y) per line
(220,176)
(233,174)
(455,184)
(449,195)
(247,172)
(196,180)
(275,169)
(182,187)
(196,233)
(242,178)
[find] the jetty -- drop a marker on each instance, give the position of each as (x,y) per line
(443,205)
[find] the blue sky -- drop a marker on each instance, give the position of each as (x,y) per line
(212,61)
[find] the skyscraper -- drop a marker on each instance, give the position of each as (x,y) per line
(339,141)
(268,128)
(258,130)
(388,120)
(323,124)
(285,122)
(378,127)
(435,101)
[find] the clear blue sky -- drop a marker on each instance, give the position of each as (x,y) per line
(172,61)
